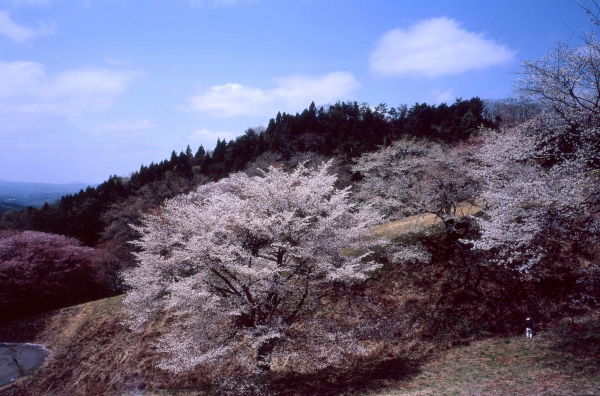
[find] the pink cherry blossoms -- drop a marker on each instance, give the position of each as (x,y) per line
(237,264)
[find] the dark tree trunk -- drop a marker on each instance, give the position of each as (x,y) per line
(263,354)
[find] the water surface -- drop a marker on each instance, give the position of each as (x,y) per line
(17,360)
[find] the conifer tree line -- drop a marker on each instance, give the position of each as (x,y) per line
(344,129)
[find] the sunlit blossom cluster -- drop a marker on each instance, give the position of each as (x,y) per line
(238,262)
(411,177)
(540,185)
(525,204)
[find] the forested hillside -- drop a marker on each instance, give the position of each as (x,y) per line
(270,263)
(344,130)
(7,206)
(345,249)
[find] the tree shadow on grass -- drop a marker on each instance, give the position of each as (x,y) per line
(578,343)
(23,330)
(365,376)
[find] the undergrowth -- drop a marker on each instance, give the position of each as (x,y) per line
(433,312)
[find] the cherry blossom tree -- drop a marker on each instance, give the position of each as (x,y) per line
(412,177)
(566,83)
(565,79)
(421,177)
(541,177)
(239,264)
(530,210)
(40,272)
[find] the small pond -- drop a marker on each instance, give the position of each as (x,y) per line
(17,360)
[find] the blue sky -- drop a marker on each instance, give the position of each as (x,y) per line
(91,88)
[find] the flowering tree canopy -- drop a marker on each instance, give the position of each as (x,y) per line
(412,177)
(40,271)
(239,261)
(529,208)
(566,81)
(541,177)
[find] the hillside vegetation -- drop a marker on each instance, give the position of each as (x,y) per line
(7,206)
(344,250)
(93,353)
(100,216)
(345,130)
(447,274)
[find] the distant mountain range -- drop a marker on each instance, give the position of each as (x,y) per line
(17,195)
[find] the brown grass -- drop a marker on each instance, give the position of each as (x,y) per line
(422,223)
(94,354)
(561,362)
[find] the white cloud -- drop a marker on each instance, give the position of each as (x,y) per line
(141,125)
(436,47)
(230,100)
(26,88)
(19,33)
(439,96)
(290,94)
(209,137)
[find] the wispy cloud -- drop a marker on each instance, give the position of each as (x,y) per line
(19,33)
(438,96)
(208,137)
(140,125)
(25,87)
(289,94)
(436,47)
